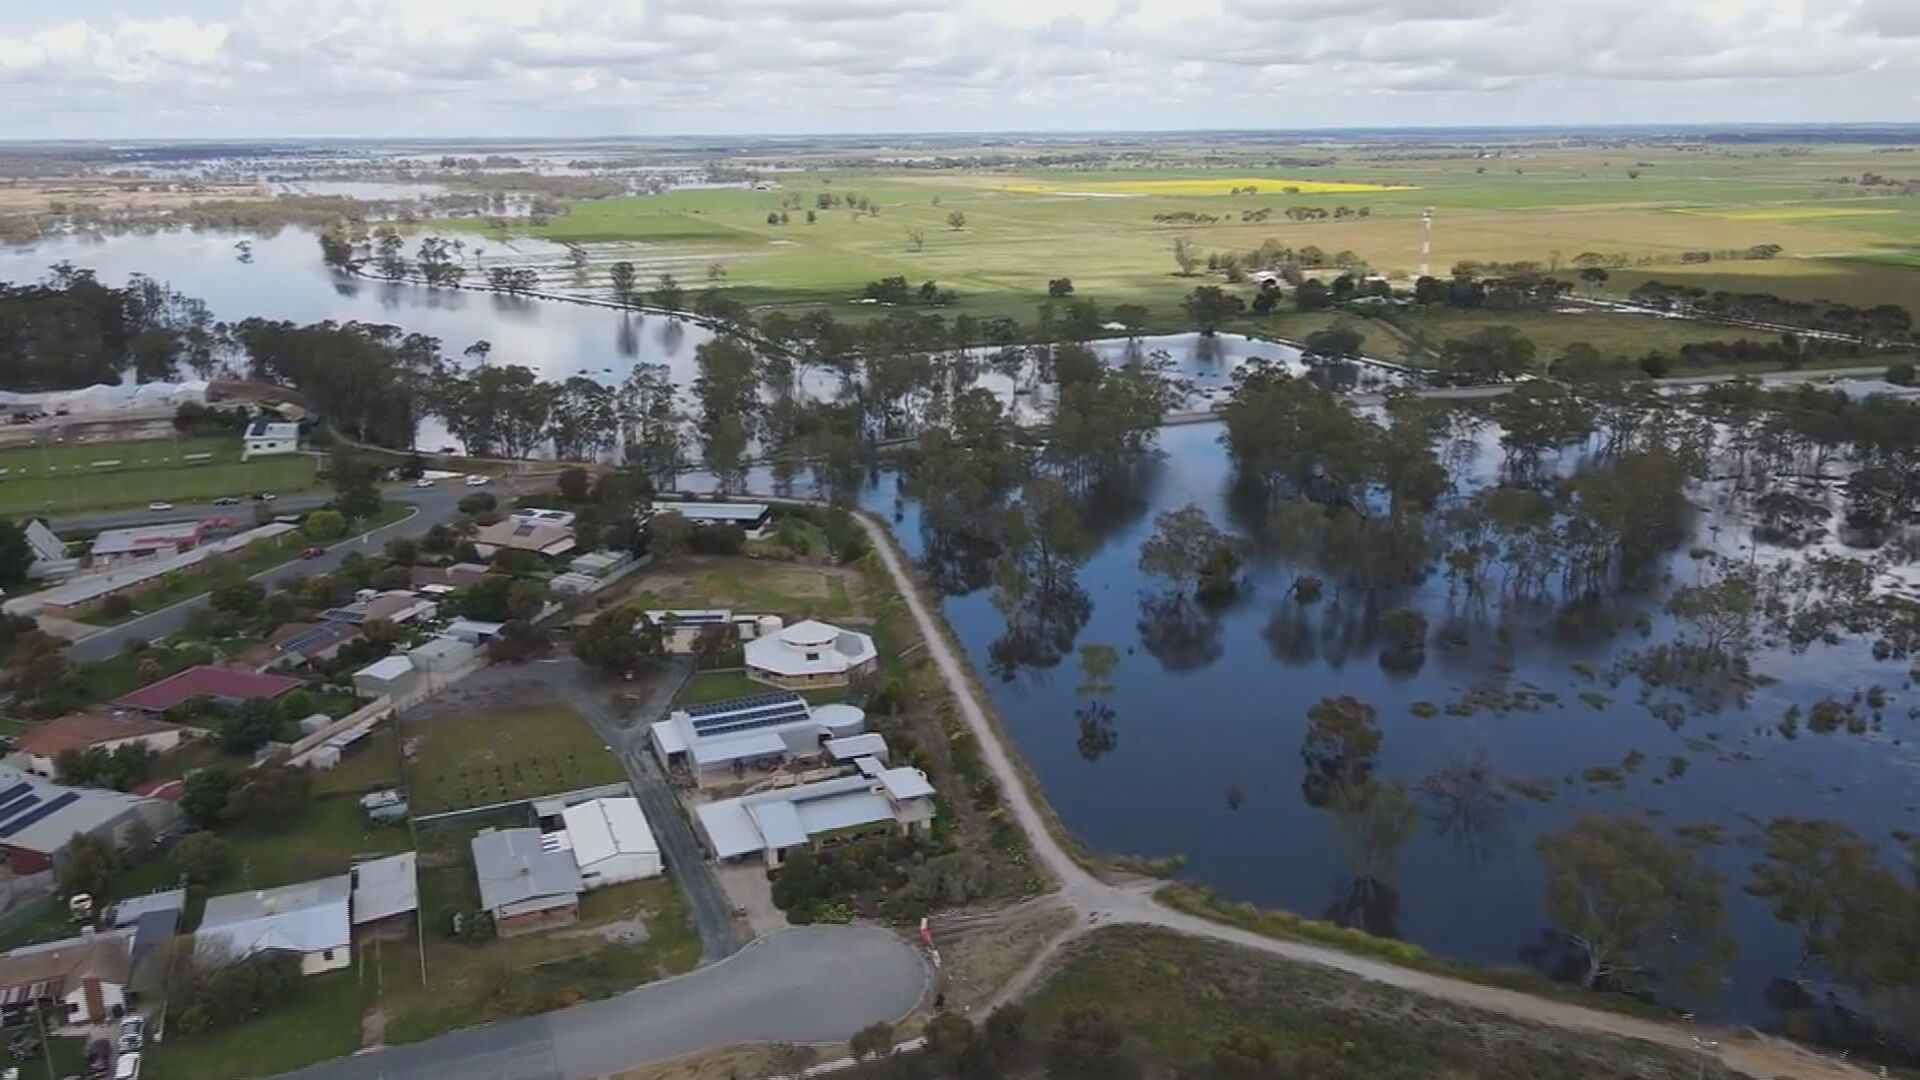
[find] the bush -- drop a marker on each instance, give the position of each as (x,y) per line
(116,606)
(1900,373)
(717,540)
(324,525)
(478,503)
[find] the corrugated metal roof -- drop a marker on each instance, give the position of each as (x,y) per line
(513,867)
(307,917)
(385,887)
(600,829)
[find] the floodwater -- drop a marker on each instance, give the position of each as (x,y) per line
(1206,762)
(1217,719)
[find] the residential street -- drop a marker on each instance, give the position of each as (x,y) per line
(434,506)
(771,991)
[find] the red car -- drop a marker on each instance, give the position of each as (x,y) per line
(312,553)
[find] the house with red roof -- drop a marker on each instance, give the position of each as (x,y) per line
(226,686)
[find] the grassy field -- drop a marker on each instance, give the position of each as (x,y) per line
(759,586)
(322,1021)
(1112,234)
(711,686)
(62,479)
(486,758)
(1174,999)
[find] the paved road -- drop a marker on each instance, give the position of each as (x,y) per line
(804,985)
(436,505)
(120,519)
(1100,903)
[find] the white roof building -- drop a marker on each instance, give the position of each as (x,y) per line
(810,653)
(610,840)
(383,888)
(312,919)
(392,675)
(752,518)
(265,437)
(774,823)
(712,740)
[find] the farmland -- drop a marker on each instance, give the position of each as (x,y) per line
(997,238)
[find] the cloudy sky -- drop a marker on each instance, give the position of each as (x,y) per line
(230,68)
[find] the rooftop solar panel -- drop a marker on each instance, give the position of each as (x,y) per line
(523,530)
(733,727)
(37,814)
(708,724)
(17,804)
(14,791)
(736,704)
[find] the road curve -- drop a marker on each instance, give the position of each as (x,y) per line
(810,984)
(1100,903)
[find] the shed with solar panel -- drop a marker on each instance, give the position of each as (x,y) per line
(726,741)
(38,819)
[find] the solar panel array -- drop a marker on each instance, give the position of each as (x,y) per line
(747,714)
(307,637)
(523,530)
(21,807)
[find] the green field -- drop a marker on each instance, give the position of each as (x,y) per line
(486,758)
(1641,205)
(62,479)
(711,686)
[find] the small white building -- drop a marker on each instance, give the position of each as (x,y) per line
(810,653)
(441,655)
(266,437)
(312,920)
(610,840)
(752,518)
(391,676)
(682,629)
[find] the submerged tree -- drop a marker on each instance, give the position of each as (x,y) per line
(1340,748)
(1192,557)
(1640,908)
(1375,821)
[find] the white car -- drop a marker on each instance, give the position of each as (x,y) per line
(133,1033)
(425,481)
(158,505)
(477,480)
(128,1067)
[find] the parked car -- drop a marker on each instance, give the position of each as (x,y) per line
(425,481)
(477,480)
(159,505)
(128,1067)
(312,553)
(264,496)
(226,500)
(133,1033)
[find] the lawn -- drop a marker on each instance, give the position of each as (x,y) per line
(758,586)
(63,479)
(371,764)
(486,758)
(1614,334)
(468,984)
(711,686)
(322,1021)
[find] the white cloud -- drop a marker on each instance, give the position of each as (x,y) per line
(576,67)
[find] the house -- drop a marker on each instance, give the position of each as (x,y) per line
(128,575)
(457,576)
(301,643)
(471,631)
(311,919)
(115,546)
(523,885)
(810,653)
(720,741)
(38,818)
(224,685)
(400,606)
(266,436)
(392,677)
(519,534)
(384,888)
(752,518)
(773,824)
(88,975)
(681,630)
(108,729)
(610,840)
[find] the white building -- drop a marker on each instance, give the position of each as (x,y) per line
(610,840)
(722,741)
(810,653)
(391,676)
(774,824)
(312,920)
(682,629)
(752,518)
(266,437)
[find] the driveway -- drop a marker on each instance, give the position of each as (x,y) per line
(810,984)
